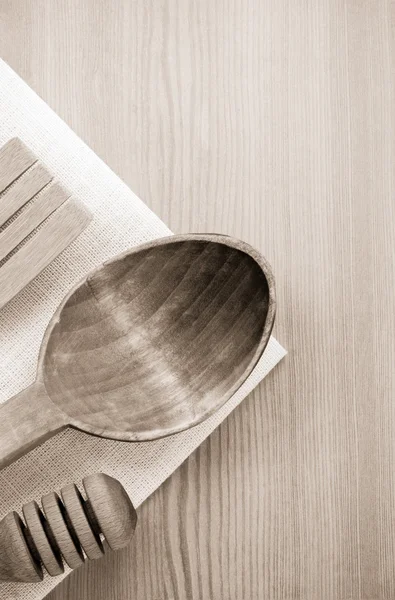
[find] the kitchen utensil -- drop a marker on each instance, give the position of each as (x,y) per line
(149,344)
(64,528)
(29,197)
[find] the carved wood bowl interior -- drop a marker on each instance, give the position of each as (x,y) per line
(156,340)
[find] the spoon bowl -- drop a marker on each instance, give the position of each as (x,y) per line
(150,343)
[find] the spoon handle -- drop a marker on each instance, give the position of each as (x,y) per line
(26,421)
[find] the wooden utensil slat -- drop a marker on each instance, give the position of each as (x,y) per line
(51,199)
(56,234)
(15,159)
(25,188)
(28,198)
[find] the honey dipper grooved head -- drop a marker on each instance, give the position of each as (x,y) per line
(67,526)
(113,509)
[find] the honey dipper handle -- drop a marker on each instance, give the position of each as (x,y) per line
(26,421)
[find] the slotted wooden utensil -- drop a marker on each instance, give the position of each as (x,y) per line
(64,528)
(149,344)
(30,198)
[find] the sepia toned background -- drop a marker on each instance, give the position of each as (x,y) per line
(272,121)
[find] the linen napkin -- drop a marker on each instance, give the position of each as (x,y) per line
(121,220)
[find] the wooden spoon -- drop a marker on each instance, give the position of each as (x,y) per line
(149,344)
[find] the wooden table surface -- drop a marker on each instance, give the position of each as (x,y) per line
(273,121)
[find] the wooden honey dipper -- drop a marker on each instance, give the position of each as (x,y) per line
(64,528)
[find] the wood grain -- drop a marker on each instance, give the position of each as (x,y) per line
(111,509)
(44,245)
(15,159)
(15,550)
(74,505)
(272,121)
(25,188)
(40,532)
(48,201)
(66,539)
